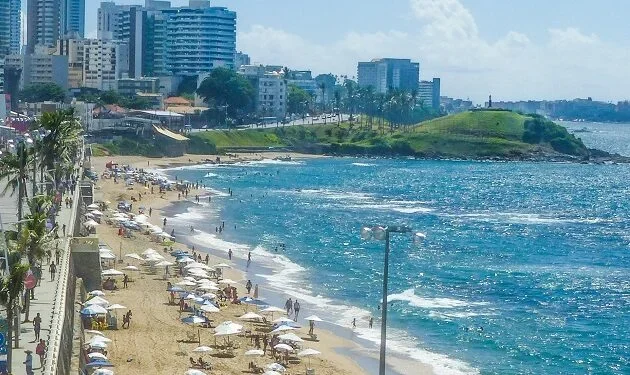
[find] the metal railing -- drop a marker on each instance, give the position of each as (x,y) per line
(57,322)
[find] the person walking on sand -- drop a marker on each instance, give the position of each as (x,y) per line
(311,327)
(63,229)
(125,281)
(37,325)
(248,286)
(354,323)
(164,221)
(53,269)
(296,310)
(230,254)
(150,211)
(249,258)
(371,323)
(289,306)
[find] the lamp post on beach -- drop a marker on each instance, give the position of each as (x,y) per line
(381,233)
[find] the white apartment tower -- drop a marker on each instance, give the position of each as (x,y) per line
(104,61)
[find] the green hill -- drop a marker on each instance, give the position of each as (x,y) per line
(473,134)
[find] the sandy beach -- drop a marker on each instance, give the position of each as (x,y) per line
(156,339)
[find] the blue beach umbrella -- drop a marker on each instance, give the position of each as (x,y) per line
(94,310)
(253,301)
(99,363)
(176,289)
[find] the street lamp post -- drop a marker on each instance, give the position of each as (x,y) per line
(383,233)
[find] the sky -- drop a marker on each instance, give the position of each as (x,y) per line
(514,50)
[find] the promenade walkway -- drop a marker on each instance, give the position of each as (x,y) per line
(42,304)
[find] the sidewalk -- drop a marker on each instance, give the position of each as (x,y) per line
(42,304)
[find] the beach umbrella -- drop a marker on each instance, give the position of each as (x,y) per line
(98,293)
(196,265)
(134,256)
(99,339)
(154,258)
(103,371)
(190,278)
(112,272)
(96,301)
(227,281)
(271,373)
(308,353)
(190,296)
(207,287)
(271,310)
(185,260)
(99,363)
(131,268)
(186,283)
(250,316)
(202,349)
(107,255)
(90,224)
(194,372)
(193,320)
(89,215)
(209,308)
(97,213)
(254,352)
(227,328)
(253,301)
(283,328)
(98,345)
(282,320)
(97,355)
(94,332)
(283,347)
(175,289)
(93,206)
(275,367)
(290,337)
(116,307)
(94,310)
(209,296)
(313,318)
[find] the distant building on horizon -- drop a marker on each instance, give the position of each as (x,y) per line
(429,93)
(241,59)
(389,73)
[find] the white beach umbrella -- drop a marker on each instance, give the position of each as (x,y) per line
(99,339)
(283,347)
(116,307)
(186,260)
(97,293)
(227,328)
(149,251)
(272,309)
(97,301)
(271,373)
(283,328)
(89,215)
(190,278)
(193,319)
(194,372)
(97,355)
(195,265)
(250,316)
(131,268)
(207,287)
(154,258)
(202,349)
(103,371)
(290,337)
(93,206)
(107,255)
(185,283)
(254,352)
(90,223)
(134,256)
(313,318)
(275,367)
(98,345)
(209,296)
(209,308)
(190,296)
(94,310)
(308,353)
(206,281)
(283,320)
(97,213)
(227,281)
(112,272)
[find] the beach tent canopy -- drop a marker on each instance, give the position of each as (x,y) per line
(96,301)
(313,318)
(250,316)
(209,308)
(227,328)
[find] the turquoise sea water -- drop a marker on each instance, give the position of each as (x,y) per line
(525,269)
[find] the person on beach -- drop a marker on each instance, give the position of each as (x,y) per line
(125,281)
(207,259)
(230,254)
(37,325)
(354,323)
(371,322)
(248,286)
(192,229)
(296,310)
(57,255)
(289,306)
(127,319)
(52,269)
(63,229)
(265,341)
(150,211)
(173,233)
(164,222)
(311,327)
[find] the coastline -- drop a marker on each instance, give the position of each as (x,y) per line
(341,351)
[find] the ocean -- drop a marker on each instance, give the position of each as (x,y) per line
(525,268)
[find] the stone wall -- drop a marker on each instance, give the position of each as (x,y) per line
(86,259)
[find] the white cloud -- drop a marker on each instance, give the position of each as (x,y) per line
(448,45)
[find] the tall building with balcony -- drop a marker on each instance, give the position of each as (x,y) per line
(43,18)
(10,27)
(387,74)
(199,38)
(73,18)
(104,61)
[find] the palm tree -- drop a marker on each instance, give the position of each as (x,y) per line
(338,105)
(11,286)
(34,238)
(322,86)
(14,168)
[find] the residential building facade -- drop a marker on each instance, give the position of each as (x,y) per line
(10,27)
(429,93)
(43,19)
(132,86)
(104,62)
(386,74)
(304,80)
(73,18)
(271,88)
(41,67)
(74,50)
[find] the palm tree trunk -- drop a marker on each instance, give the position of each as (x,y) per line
(20,204)
(9,341)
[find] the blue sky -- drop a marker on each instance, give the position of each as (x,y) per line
(534,49)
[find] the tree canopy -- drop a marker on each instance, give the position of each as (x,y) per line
(41,92)
(226,87)
(297,100)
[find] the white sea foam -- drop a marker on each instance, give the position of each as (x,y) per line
(410,296)
(405,209)
(273,162)
(364,164)
(335,195)
(524,218)
(210,174)
(190,215)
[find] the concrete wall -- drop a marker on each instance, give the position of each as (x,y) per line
(87,263)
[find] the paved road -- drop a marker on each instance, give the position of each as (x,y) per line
(317,120)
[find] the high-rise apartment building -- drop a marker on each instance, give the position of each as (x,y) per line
(43,19)
(171,41)
(10,27)
(104,61)
(429,93)
(386,74)
(73,17)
